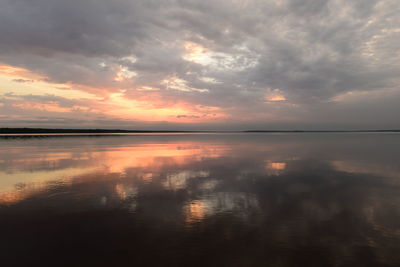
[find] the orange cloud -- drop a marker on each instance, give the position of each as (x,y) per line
(141,103)
(275,98)
(18,72)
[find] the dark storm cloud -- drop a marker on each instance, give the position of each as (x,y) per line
(309,51)
(89,28)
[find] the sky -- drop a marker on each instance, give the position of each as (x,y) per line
(200,64)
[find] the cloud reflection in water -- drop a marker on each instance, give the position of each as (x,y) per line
(236,200)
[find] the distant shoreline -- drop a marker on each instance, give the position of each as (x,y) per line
(64,131)
(28,131)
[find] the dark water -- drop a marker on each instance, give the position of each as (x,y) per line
(201,200)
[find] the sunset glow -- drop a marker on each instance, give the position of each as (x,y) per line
(24,177)
(66,100)
(214,65)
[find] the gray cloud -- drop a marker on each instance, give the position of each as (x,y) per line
(310,51)
(23,81)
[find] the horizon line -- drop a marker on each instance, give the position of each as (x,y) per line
(31,130)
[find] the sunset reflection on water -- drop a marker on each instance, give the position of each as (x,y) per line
(24,173)
(266,199)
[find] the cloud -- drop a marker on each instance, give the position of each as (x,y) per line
(23,81)
(226,55)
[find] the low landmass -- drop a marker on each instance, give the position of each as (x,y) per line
(114,131)
(321,131)
(86,131)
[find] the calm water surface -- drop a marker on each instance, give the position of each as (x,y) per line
(201,200)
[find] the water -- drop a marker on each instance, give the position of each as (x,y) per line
(201,200)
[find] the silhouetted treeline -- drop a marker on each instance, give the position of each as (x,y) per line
(44,130)
(63,131)
(322,131)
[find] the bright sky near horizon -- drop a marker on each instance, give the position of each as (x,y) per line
(200,65)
